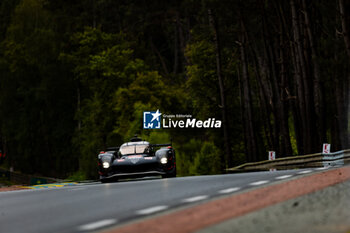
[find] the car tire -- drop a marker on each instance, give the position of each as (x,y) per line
(170,175)
(104,181)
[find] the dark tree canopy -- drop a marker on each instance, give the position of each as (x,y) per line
(75,77)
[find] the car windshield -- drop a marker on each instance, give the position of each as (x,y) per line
(133,149)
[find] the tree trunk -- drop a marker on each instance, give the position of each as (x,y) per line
(342,82)
(263,98)
(225,124)
(302,83)
(176,45)
(345,26)
(318,96)
(284,98)
(298,105)
(162,60)
(282,137)
(251,145)
(290,94)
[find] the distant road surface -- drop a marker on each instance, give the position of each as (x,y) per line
(105,207)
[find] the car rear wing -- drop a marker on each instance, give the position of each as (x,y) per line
(161,145)
(116,148)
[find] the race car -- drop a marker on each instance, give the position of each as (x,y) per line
(136,158)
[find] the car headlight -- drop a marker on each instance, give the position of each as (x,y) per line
(163,160)
(105,165)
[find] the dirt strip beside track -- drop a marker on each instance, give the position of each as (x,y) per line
(11,188)
(214,212)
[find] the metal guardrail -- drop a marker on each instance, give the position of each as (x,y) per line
(319,158)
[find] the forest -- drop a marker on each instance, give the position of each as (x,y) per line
(76,76)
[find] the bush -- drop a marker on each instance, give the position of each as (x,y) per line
(207,160)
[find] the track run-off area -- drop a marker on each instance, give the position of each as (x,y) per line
(267,201)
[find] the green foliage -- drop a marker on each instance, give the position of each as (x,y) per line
(103,66)
(239,157)
(198,158)
(146,92)
(207,160)
(116,89)
(185,156)
(77,176)
(202,78)
(159,137)
(32,86)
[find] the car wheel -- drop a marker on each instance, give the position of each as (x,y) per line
(169,175)
(104,180)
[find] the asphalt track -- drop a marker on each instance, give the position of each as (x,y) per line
(95,207)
